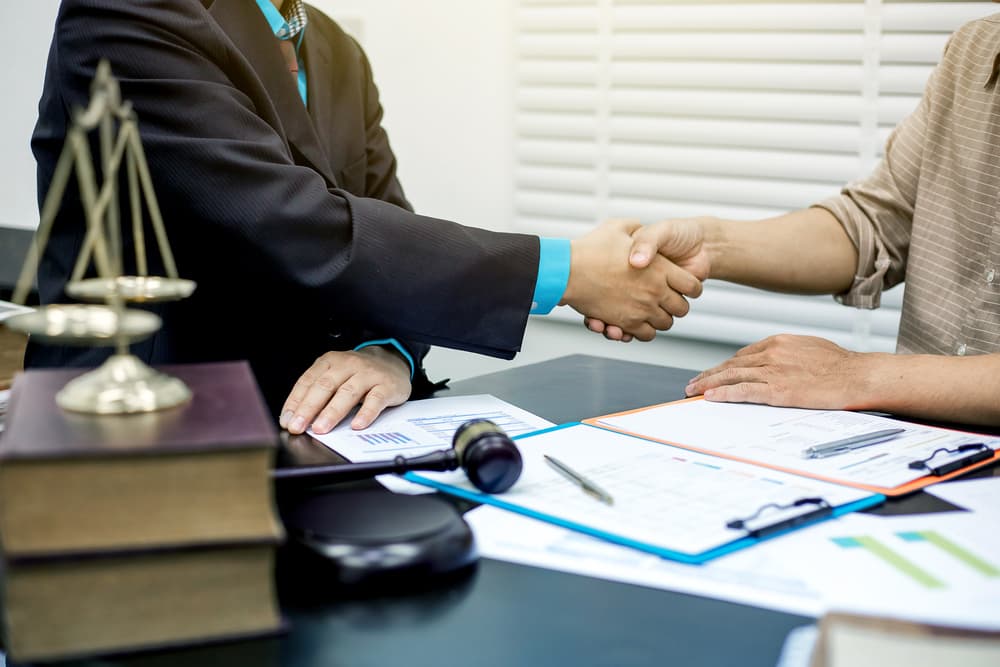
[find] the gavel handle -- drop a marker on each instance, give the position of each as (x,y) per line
(444,459)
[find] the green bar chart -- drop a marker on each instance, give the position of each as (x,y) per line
(958,552)
(896,555)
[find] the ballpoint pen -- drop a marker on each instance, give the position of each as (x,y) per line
(849,444)
(585,484)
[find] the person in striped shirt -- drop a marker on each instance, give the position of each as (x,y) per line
(928,215)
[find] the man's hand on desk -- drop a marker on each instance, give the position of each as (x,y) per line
(637,299)
(374,377)
(789,371)
(679,243)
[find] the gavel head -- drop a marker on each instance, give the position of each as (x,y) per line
(489,457)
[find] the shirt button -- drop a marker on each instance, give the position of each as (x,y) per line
(991,275)
(960,350)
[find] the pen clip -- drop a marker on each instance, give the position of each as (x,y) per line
(980,452)
(809,509)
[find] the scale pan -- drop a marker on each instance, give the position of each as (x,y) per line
(84,325)
(134,289)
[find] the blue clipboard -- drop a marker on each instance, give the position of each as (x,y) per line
(756,529)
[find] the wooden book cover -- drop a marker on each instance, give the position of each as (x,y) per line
(195,474)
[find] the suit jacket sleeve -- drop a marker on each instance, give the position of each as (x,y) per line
(381,183)
(234,193)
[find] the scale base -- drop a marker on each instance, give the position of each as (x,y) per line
(122,385)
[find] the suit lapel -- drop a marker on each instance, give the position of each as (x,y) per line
(247,28)
(319,68)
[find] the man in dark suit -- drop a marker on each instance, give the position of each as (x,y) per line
(262,126)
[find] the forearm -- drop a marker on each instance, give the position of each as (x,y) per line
(956,389)
(806,251)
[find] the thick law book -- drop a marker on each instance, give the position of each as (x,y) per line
(60,607)
(197,474)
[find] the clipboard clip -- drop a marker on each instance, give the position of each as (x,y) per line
(807,509)
(980,452)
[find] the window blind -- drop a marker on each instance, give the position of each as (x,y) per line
(637,108)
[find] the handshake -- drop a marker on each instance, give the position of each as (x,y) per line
(631,280)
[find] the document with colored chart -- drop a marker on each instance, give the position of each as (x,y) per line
(776,437)
(420,427)
(941,568)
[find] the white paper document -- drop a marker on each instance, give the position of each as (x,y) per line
(777,437)
(797,651)
(934,568)
(939,568)
(421,427)
(4,402)
(667,500)
(976,495)
(750,576)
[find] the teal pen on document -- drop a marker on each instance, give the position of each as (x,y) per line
(585,484)
(844,445)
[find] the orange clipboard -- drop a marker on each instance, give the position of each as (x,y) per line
(901,490)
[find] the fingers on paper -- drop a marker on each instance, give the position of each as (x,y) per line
(333,386)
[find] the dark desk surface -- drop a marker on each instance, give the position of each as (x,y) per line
(506,614)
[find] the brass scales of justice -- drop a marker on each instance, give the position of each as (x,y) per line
(123,384)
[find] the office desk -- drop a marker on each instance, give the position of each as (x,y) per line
(507,614)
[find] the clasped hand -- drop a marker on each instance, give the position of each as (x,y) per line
(656,267)
(630,280)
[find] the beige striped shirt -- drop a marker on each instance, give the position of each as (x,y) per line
(929,212)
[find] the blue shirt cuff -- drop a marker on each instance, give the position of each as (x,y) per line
(553,274)
(399,348)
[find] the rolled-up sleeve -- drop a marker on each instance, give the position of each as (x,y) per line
(877,212)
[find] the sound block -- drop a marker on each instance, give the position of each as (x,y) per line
(373,539)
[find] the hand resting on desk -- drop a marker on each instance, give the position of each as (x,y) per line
(810,372)
(809,252)
(788,371)
(374,377)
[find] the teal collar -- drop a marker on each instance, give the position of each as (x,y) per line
(288,25)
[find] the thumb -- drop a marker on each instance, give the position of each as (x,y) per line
(648,241)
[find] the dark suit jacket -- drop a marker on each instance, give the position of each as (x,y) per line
(290,219)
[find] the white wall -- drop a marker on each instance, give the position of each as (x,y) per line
(444,69)
(27,32)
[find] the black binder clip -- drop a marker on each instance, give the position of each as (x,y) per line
(809,509)
(980,452)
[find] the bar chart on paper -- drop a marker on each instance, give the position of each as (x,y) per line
(939,568)
(420,427)
(927,557)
